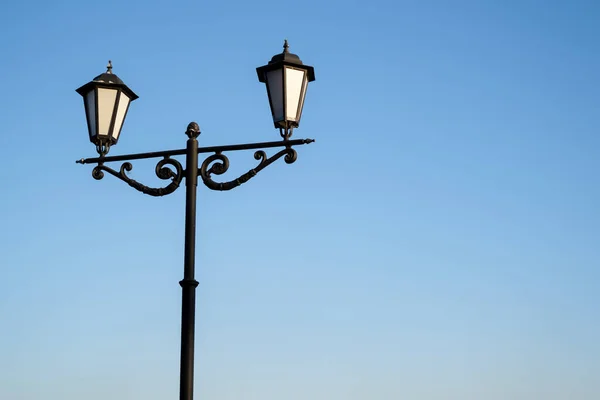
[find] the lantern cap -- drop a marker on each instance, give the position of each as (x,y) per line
(108,76)
(285,58)
(107,79)
(286,55)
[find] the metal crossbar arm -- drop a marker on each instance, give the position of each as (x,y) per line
(210,149)
(215,164)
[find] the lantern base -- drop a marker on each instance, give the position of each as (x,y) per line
(285,131)
(102,148)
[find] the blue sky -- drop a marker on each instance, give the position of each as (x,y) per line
(440,240)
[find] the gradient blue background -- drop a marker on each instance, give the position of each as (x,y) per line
(440,240)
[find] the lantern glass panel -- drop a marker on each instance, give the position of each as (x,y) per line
(90,107)
(120,117)
(294,84)
(276,93)
(302,97)
(106,107)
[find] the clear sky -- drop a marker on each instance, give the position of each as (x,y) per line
(440,240)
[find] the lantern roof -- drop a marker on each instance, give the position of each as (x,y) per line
(285,58)
(286,55)
(107,78)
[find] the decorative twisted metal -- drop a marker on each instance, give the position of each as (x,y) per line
(218,164)
(162,171)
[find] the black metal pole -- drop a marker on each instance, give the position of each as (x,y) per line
(189,283)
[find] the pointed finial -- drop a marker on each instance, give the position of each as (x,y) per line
(286,46)
(109,67)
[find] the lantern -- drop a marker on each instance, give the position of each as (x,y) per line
(286,79)
(106,99)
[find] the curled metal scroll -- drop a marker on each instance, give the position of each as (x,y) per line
(162,171)
(218,164)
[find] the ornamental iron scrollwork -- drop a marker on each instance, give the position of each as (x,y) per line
(218,164)
(215,164)
(162,171)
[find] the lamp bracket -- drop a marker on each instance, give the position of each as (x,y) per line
(215,164)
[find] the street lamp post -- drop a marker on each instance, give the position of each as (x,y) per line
(107,100)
